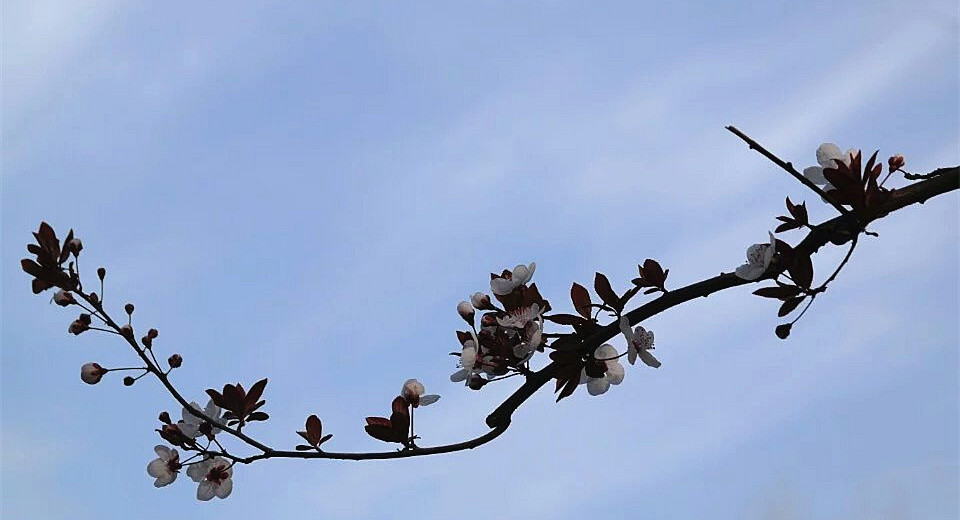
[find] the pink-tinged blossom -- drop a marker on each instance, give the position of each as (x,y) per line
(613,375)
(759,257)
(215,476)
(413,392)
(165,467)
(518,318)
(827,155)
(91,373)
(521,275)
(639,342)
(190,424)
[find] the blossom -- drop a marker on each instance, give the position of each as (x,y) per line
(533,335)
(164,468)
(465,310)
(759,257)
(63,298)
(468,362)
(613,375)
(215,476)
(521,275)
(190,424)
(827,155)
(413,392)
(91,373)
(480,301)
(639,341)
(519,317)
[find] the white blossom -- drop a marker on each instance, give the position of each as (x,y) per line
(215,476)
(639,342)
(521,275)
(480,300)
(468,362)
(827,155)
(413,392)
(759,257)
(63,298)
(164,468)
(518,318)
(190,424)
(613,375)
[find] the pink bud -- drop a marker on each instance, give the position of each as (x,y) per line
(466,311)
(91,373)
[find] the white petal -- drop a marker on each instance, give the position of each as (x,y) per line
(468,357)
(826,153)
(605,352)
(631,354)
(597,386)
(198,471)
(648,359)
(163,480)
(750,271)
(530,270)
(162,451)
(625,328)
(502,286)
(157,468)
(815,174)
(212,410)
(459,375)
(428,399)
(521,274)
(615,372)
(583,376)
(225,488)
(206,490)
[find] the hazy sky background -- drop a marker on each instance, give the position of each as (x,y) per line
(305,191)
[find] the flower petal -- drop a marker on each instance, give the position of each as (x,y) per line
(815,174)
(605,351)
(428,399)
(460,375)
(163,480)
(750,271)
(157,468)
(225,488)
(648,359)
(625,328)
(598,385)
(502,286)
(826,153)
(615,372)
(206,490)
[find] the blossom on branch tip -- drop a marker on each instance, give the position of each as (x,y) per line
(165,467)
(759,257)
(521,274)
(91,373)
(190,424)
(480,301)
(64,298)
(466,311)
(605,359)
(639,342)
(827,155)
(413,392)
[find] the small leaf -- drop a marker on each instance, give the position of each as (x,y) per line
(255,392)
(258,416)
(653,272)
(789,305)
(602,285)
(581,300)
(781,292)
(802,271)
(303,447)
(314,428)
(565,319)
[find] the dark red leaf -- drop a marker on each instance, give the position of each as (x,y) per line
(602,285)
(565,319)
(801,270)
(581,300)
(255,392)
(781,292)
(653,272)
(314,428)
(789,305)
(303,447)
(258,416)
(325,438)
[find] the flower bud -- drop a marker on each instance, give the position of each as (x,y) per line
(412,390)
(466,311)
(147,341)
(175,361)
(152,333)
(481,301)
(165,418)
(94,298)
(63,298)
(129,381)
(489,319)
(476,382)
(74,246)
(129,308)
(895,162)
(127,331)
(91,373)
(101,273)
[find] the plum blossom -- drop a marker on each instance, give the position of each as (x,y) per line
(521,275)
(519,317)
(612,376)
(480,301)
(165,467)
(639,341)
(533,334)
(413,392)
(759,257)
(827,154)
(215,476)
(465,310)
(190,424)
(64,298)
(468,362)
(91,373)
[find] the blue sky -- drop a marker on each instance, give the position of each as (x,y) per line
(304,191)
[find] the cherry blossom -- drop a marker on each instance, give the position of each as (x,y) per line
(190,424)
(639,341)
(468,362)
(413,392)
(215,476)
(827,155)
(521,275)
(519,317)
(91,373)
(613,375)
(165,467)
(63,298)
(480,301)
(759,257)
